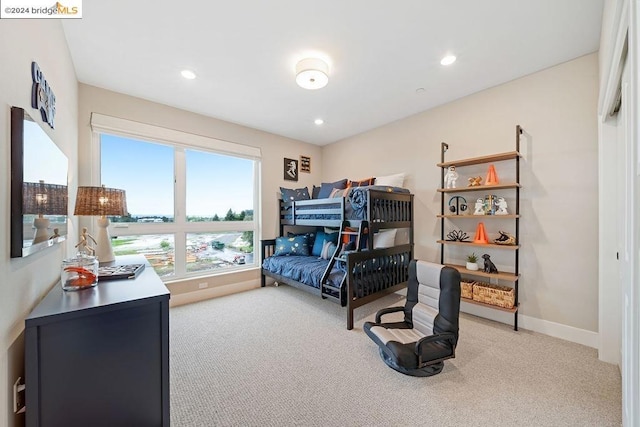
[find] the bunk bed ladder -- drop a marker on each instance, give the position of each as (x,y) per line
(347,234)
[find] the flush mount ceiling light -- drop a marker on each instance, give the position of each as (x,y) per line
(312,73)
(318,121)
(188,74)
(448,60)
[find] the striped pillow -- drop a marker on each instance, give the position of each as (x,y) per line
(328,248)
(361,183)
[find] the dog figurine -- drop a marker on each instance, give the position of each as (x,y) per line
(489,266)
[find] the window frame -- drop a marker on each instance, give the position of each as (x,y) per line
(180,141)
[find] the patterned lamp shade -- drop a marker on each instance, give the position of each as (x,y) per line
(44,199)
(100,201)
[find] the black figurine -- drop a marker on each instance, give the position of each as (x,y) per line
(457,236)
(489,266)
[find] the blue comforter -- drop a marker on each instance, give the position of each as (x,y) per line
(303,269)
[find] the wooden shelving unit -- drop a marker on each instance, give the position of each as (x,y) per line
(478,188)
(484,245)
(509,278)
(494,307)
(511,155)
(482,217)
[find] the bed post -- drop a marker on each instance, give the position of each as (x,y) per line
(263,280)
(267,247)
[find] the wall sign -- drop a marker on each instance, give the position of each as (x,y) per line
(42,97)
(305,164)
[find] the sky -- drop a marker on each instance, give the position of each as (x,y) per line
(215,183)
(43,160)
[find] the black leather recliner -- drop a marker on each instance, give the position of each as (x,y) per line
(428,335)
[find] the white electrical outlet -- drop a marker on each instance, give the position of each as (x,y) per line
(203,285)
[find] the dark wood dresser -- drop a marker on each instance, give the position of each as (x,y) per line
(100,356)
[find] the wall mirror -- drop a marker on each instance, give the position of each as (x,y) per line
(39,195)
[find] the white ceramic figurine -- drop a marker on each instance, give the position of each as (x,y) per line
(450,177)
(502,206)
(479,208)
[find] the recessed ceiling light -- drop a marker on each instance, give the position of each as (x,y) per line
(188,74)
(318,121)
(448,60)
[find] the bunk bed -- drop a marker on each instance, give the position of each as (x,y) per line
(355,274)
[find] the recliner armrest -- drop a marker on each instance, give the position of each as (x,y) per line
(445,336)
(387,310)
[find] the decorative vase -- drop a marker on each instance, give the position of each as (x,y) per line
(472,266)
(80,272)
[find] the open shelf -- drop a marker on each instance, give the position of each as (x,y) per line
(478,188)
(495,307)
(510,277)
(480,160)
(511,188)
(483,245)
(482,217)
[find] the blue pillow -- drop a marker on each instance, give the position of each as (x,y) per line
(291,194)
(297,245)
(327,187)
(315,192)
(311,236)
(322,237)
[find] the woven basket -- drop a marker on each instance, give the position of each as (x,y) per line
(501,296)
(466,289)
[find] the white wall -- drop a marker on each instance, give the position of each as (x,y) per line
(559,198)
(24,281)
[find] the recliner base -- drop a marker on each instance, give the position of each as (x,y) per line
(427,371)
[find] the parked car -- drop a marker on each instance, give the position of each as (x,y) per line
(217,244)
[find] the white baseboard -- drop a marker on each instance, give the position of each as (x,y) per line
(218,291)
(558,330)
(553,329)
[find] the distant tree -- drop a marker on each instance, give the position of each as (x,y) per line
(123,218)
(216,218)
(165,244)
(241,216)
(230,215)
(247,236)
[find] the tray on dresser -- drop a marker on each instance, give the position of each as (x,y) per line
(117,272)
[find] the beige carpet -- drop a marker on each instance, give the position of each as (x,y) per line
(278,356)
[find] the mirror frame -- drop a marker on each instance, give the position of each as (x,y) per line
(17,249)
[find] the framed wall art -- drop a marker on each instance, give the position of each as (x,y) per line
(305,164)
(290,169)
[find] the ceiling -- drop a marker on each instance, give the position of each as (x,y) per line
(379,52)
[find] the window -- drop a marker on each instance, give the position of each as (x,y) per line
(191,200)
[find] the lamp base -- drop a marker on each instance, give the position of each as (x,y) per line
(104,251)
(42,233)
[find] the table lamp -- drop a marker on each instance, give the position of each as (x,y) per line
(103,202)
(40,198)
